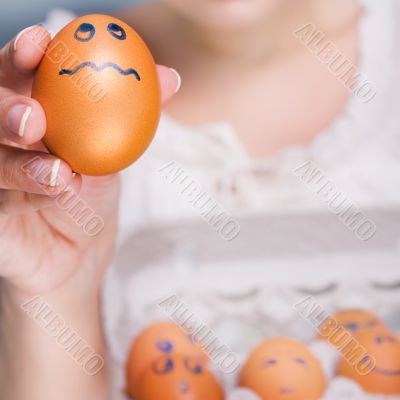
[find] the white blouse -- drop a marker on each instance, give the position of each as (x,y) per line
(360,152)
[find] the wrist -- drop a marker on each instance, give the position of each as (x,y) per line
(57,333)
(81,288)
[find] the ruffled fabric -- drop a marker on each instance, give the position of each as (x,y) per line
(359,152)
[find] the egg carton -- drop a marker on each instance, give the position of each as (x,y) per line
(247,290)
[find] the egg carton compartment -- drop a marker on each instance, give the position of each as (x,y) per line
(246,290)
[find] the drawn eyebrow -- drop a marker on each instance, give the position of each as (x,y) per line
(165,346)
(99,68)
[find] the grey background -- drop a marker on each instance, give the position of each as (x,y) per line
(18,14)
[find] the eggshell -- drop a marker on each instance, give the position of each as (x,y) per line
(160,338)
(379,349)
(177,377)
(99,88)
(353,321)
(283,368)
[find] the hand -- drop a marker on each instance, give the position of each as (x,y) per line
(43,246)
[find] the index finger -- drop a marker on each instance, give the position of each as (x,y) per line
(170,82)
(21,56)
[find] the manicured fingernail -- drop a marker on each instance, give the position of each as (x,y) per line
(178,80)
(54,172)
(20,35)
(17,119)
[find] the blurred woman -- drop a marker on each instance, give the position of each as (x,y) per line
(257,101)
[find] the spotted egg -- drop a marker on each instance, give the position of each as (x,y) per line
(99,88)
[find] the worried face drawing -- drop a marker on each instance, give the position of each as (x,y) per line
(282,368)
(383,348)
(176,377)
(85,33)
(353,321)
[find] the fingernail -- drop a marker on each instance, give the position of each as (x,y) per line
(20,35)
(54,172)
(178,80)
(17,119)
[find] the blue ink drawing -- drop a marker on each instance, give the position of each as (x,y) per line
(99,68)
(117,31)
(84,29)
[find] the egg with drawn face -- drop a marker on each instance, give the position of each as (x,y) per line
(158,339)
(353,321)
(378,368)
(283,369)
(177,377)
(99,88)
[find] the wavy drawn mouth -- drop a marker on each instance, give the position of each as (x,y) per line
(386,372)
(99,68)
(184,387)
(286,391)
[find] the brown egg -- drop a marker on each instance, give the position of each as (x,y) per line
(376,367)
(283,369)
(99,88)
(177,377)
(161,338)
(353,321)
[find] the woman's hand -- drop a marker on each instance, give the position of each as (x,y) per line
(48,246)
(43,242)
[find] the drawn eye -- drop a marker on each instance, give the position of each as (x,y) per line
(163,366)
(117,31)
(352,326)
(379,340)
(365,360)
(300,361)
(269,363)
(193,366)
(165,346)
(85,32)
